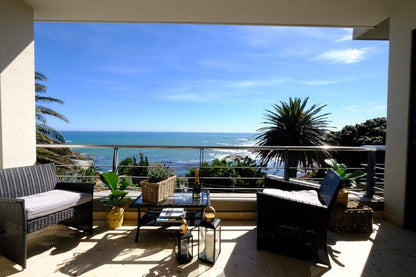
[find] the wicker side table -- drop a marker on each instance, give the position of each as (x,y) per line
(1,233)
(356,217)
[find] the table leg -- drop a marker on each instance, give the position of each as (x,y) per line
(138,225)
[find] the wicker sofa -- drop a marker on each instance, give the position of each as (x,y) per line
(293,216)
(31,198)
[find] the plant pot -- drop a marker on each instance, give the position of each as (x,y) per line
(115,217)
(342,198)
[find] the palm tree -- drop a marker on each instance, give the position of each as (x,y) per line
(293,124)
(46,134)
(42,129)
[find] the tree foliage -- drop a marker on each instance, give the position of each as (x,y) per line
(236,169)
(370,132)
(132,167)
(294,124)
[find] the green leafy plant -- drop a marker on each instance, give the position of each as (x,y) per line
(117,196)
(341,169)
(158,172)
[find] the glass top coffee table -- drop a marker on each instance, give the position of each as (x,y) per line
(194,209)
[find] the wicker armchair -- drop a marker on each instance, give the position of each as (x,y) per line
(292,217)
(31,198)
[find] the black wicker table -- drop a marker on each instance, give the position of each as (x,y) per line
(194,209)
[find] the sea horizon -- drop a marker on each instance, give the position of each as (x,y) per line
(180,159)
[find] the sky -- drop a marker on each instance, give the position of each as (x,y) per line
(205,78)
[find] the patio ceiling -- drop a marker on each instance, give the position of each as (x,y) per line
(348,13)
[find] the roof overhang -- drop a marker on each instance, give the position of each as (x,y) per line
(339,13)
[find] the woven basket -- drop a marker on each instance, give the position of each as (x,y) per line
(356,217)
(156,192)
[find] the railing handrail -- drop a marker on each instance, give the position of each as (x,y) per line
(371,166)
(198,147)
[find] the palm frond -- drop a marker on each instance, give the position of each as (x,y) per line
(40,76)
(46,99)
(48,111)
(50,132)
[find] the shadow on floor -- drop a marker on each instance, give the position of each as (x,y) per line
(333,237)
(60,238)
(393,252)
(246,258)
(118,248)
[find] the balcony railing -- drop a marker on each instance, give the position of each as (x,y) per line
(372,183)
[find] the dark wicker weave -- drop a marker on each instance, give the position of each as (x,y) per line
(24,181)
(297,229)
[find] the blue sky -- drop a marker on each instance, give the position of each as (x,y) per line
(205,78)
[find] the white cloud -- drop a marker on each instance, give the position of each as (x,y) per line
(346,36)
(215,90)
(225,65)
(364,108)
(346,56)
(126,70)
(256,83)
(313,83)
(380,107)
(185,97)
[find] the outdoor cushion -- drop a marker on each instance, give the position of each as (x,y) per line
(307,196)
(53,201)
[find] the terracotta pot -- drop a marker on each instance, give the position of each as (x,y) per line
(115,217)
(342,198)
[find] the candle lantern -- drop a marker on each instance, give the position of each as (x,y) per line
(209,237)
(183,248)
(184,244)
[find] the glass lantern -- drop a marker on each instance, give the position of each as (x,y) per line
(184,247)
(209,240)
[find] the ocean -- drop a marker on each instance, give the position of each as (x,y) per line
(180,159)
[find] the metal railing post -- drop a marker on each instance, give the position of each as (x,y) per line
(286,169)
(201,165)
(115,160)
(371,172)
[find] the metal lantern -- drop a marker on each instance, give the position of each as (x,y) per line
(209,237)
(183,249)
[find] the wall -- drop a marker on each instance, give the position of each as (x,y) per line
(401,25)
(17,98)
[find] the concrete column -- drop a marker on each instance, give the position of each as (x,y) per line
(401,25)
(17,97)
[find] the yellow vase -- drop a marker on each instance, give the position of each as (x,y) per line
(342,198)
(115,217)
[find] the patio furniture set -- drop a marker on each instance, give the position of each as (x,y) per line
(292,216)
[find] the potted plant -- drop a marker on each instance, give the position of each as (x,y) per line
(349,180)
(116,199)
(159,185)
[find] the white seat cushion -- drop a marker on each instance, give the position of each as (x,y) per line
(307,196)
(53,201)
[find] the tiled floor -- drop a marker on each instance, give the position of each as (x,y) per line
(58,250)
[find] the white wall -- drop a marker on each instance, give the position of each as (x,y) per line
(17,97)
(401,25)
